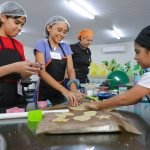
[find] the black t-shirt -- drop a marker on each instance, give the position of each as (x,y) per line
(81,60)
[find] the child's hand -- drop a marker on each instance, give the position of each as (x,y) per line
(27,67)
(93,105)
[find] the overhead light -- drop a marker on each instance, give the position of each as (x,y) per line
(82,7)
(116,33)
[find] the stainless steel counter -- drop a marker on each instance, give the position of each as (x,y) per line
(15,135)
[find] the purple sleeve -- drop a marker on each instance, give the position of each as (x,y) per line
(42,47)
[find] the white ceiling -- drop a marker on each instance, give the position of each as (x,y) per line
(130,16)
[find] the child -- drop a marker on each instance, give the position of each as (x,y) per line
(56,57)
(13,66)
(142,88)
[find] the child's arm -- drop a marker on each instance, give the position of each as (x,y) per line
(25,68)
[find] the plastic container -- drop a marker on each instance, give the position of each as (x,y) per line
(122,89)
(90,92)
(104,88)
(105,95)
(35,115)
(136,78)
(82,89)
(42,104)
(137,108)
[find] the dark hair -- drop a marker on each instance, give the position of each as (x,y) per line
(14,17)
(143,39)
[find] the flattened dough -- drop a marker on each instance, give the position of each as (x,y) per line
(82,118)
(90,113)
(62,117)
(59,119)
(80,107)
(104,117)
(64,114)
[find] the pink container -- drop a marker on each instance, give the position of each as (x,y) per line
(15,110)
(42,104)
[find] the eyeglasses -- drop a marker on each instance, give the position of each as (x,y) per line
(61,30)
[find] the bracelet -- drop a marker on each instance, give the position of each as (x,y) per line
(76,81)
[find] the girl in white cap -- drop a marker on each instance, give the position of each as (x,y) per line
(56,57)
(13,66)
